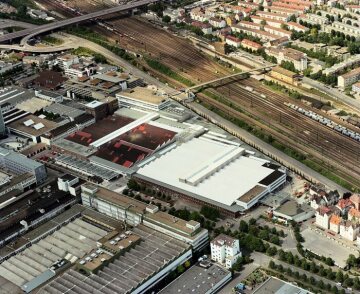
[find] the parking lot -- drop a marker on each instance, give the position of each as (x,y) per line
(322,245)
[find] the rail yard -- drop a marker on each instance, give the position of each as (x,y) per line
(323,147)
(147,143)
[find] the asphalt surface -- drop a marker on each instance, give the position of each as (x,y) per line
(31,32)
(335,93)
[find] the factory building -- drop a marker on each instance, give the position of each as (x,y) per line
(20,164)
(186,171)
(134,212)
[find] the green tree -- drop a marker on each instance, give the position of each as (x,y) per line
(210,212)
(166,19)
(243,226)
(339,277)
(275,240)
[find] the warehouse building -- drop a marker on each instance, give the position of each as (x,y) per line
(146,98)
(204,277)
(186,171)
(135,212)
(52,247)
(32,127)
(135,270)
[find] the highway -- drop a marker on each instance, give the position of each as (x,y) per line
(7,23)
(31,32)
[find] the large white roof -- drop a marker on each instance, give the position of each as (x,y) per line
(214,170)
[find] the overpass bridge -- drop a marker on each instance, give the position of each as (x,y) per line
(31,32)
(187,90)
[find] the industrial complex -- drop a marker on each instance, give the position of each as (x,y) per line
(195,147)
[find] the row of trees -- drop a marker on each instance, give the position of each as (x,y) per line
(276,86)
(304,278)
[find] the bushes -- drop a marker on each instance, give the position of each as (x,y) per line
(210,213)
(164,69)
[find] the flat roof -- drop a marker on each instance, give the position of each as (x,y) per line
(121,200)
(127,272)
(19,125)
(237,176)
(33,105)
(276,286)
(64,110)
(148,95)
(198,280)
(98,130)
(252,193)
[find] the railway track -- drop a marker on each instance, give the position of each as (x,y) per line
(287,126)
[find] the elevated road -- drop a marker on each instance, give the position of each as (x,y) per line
(31,32)
(228,77)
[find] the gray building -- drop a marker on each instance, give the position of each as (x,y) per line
(20,164)
(2,125)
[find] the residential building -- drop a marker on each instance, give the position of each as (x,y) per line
(344,205)
(6,66)
(355,199)
(66,60)
(323,215)
(349,78)
(335,221)
(274,16)
(206,28)
(356,87)
(298,58)
(348,30)
(353,60)
(349,230)
(314,19)
(233,41)
(293,26)
(225,250)
(217,22)
(277,31)
(250,45)
(266,36)
(354,215)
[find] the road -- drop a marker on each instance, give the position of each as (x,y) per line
(247,270)
(7,23)
(335,93)
(31,32)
